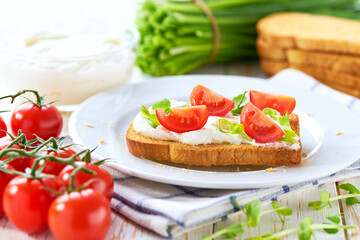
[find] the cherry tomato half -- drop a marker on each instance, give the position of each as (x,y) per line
(3,127)
(55,167)
(216,104)
(80,215)
(19,164)
(103,180)
(259,126)
(281,103)
(4,180)
(183,119)
(26,202)
(45,121)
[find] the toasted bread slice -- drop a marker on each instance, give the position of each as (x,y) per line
(331,61)
(274,53)
(311,32)
(272,67)
(341,81)
(219,154)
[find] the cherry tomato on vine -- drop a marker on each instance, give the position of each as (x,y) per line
(5,178)
(80,215)
(280,103)
(3,127)
(55,167)
(19,164)
(216,104)
(103,182)
(45,121)
(26,202)
(259,126)
(183,119)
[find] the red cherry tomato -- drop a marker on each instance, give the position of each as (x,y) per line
(259,126)
(3,127)
(26,202)
(103,180)
(183,119)
(19,164)
(216,104)
(4,180)
(45,121)
(55,167)
(80,215)
(281,103)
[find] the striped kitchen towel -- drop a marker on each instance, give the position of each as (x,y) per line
(171,210)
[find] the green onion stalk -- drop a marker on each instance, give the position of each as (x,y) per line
(177,37)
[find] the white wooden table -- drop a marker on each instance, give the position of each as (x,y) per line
(122,228)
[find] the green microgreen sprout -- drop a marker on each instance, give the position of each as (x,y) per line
(306,229)
(239,100)
(289,134)
(253,212)
(162,104)
(326,199)
(225,126)
(150,117)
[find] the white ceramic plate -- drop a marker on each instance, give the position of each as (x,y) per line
(112,111)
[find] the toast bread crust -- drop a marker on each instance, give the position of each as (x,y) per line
(338,80)
(310,32)
(331,61)
(216,154)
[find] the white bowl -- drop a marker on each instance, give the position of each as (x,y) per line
(64,75)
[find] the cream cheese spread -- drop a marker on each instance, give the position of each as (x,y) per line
(206,135)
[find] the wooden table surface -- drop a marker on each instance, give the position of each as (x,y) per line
(122,228)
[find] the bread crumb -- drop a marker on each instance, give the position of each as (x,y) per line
(309,114)
(270,169)
(101,141)
(304,154)
(159,165)
(237,169)
(336,152)
(111,126)
(338,133)
(184,170)
(88,125)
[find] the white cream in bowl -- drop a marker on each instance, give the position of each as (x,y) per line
(69,61)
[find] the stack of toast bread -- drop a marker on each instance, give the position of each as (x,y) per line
(327,48)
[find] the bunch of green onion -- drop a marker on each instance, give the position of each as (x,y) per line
(176,36)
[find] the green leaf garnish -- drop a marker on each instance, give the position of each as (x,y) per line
(151,118)
(289,134)
(239,100)
(271,113)
(163,104)
(225,126)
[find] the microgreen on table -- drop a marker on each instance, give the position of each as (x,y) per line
(326,199)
